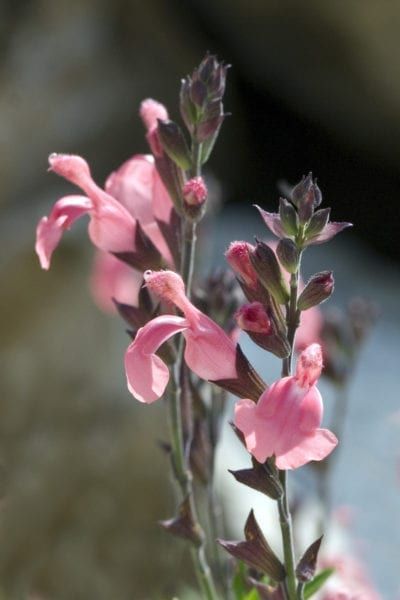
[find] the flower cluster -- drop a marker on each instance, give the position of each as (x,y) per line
(143,224)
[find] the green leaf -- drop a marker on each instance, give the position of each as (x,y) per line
(239,581)
(252,595)
(316,584)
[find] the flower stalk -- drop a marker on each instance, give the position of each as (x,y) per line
(179,454)
(285,518)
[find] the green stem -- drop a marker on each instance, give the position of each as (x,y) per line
(285,520)
(179,456)
(283,503)
(300,591)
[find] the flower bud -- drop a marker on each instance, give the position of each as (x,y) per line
(318,289)
(307,565)
(288,255)
(301,189)
(269,272)
(174,143)
(195,192)
(307,196)
(201,103)
(238,256)
(317,222)
(253,317)
(288,216)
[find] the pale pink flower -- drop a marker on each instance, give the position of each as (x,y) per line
(150,112)
(111,228)
(309,330)
(138,187)
(209,351)
(111,278)
(350,580)
(285,421)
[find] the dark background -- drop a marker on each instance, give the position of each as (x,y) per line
(314,86)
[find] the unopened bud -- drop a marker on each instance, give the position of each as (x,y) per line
(318,222)
(174,143)
(238,256)
(195,192)
(318,289)
(269,272)
(288,255)
(307,196)
(253,317)
(289,218)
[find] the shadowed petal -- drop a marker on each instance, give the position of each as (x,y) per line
(315,446)
(147,375)
(50,229)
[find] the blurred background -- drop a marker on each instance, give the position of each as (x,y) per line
(314,86)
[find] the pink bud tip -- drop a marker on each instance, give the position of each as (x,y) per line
(74,168)
(238,256)
(166,284)
(195,191)
(151,110)
(309,365)
(253,317)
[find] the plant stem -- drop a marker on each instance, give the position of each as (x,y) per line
(179,454)
(287,538)
(283,503)
(300,591)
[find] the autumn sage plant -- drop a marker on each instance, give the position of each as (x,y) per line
(183,348)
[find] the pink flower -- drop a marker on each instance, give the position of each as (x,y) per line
(285,421)
(350,580)
(209,351)
(150,112)
(111,228)
(309,330)
(138,187)
(113,279)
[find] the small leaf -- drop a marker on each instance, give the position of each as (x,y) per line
(306,566)
(312,587)
(261,478)
(183,525)
(255,551)
(248,383)
(252,595)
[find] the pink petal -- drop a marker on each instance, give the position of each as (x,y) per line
(285,415)
(112,227)
(310,327)
(273,222)
(316,446)
(209,352)
(50,229)
(112,278)
(132,186)
(135,185)
(309,365)
(147,375)
(162,203)
(152,110)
